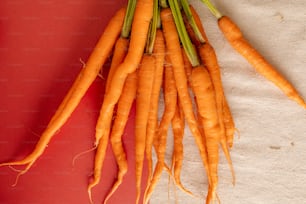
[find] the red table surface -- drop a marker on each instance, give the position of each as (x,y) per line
(41,44)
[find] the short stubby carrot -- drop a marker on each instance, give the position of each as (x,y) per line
(207,108)
(145,80)
(122,114)
(235,37)
(78,89)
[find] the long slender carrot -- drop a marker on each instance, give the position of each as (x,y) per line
(140,27)
(144,91)
(123,109)
(241,45)
(209,59)
(173,47)
(159,53)
(78,89)
(170,97)
(207,108)
(120,53)
(236,39)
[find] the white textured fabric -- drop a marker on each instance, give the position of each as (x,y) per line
(270,156)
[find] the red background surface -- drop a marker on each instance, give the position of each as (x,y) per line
(41,43)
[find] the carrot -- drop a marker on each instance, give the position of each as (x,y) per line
(236,39)
(121,46)
(123,108)
(120,51)
(140,27)
(144,92)
(77,91)
(178,124)
(207,108)
(99,159)
(241,45)
(173,47)
(170,97)
(159,53)
(187,65)
(228,124)
(209,58)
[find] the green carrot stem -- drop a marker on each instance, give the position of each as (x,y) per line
(153,26)
(212,8)
(128,19)
(191,21)
(184,37)
(163,3)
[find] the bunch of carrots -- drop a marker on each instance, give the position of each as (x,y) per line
(159,46)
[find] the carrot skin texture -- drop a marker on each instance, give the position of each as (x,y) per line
(210,61)
(120,51)
(170,98)
(209,58)
(159,53)
(144,90)
(78,89)
(207,108)
(123,109)
(140,26)
(235,37)
(174,50)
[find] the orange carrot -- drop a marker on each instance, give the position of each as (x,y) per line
(174,51)
(120,51)
(144,90)
(187,65)
(159,53)
(228,124)
(78,89)
(122,43)
(178,124)
(140,27)
(209,58)
(207,108)
(170,97)
(123,109)
(235,37)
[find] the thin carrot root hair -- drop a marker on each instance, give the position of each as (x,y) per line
(81,154)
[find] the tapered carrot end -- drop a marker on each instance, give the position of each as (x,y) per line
(115,186)
(90,193)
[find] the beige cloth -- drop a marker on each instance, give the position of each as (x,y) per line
(270,155)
